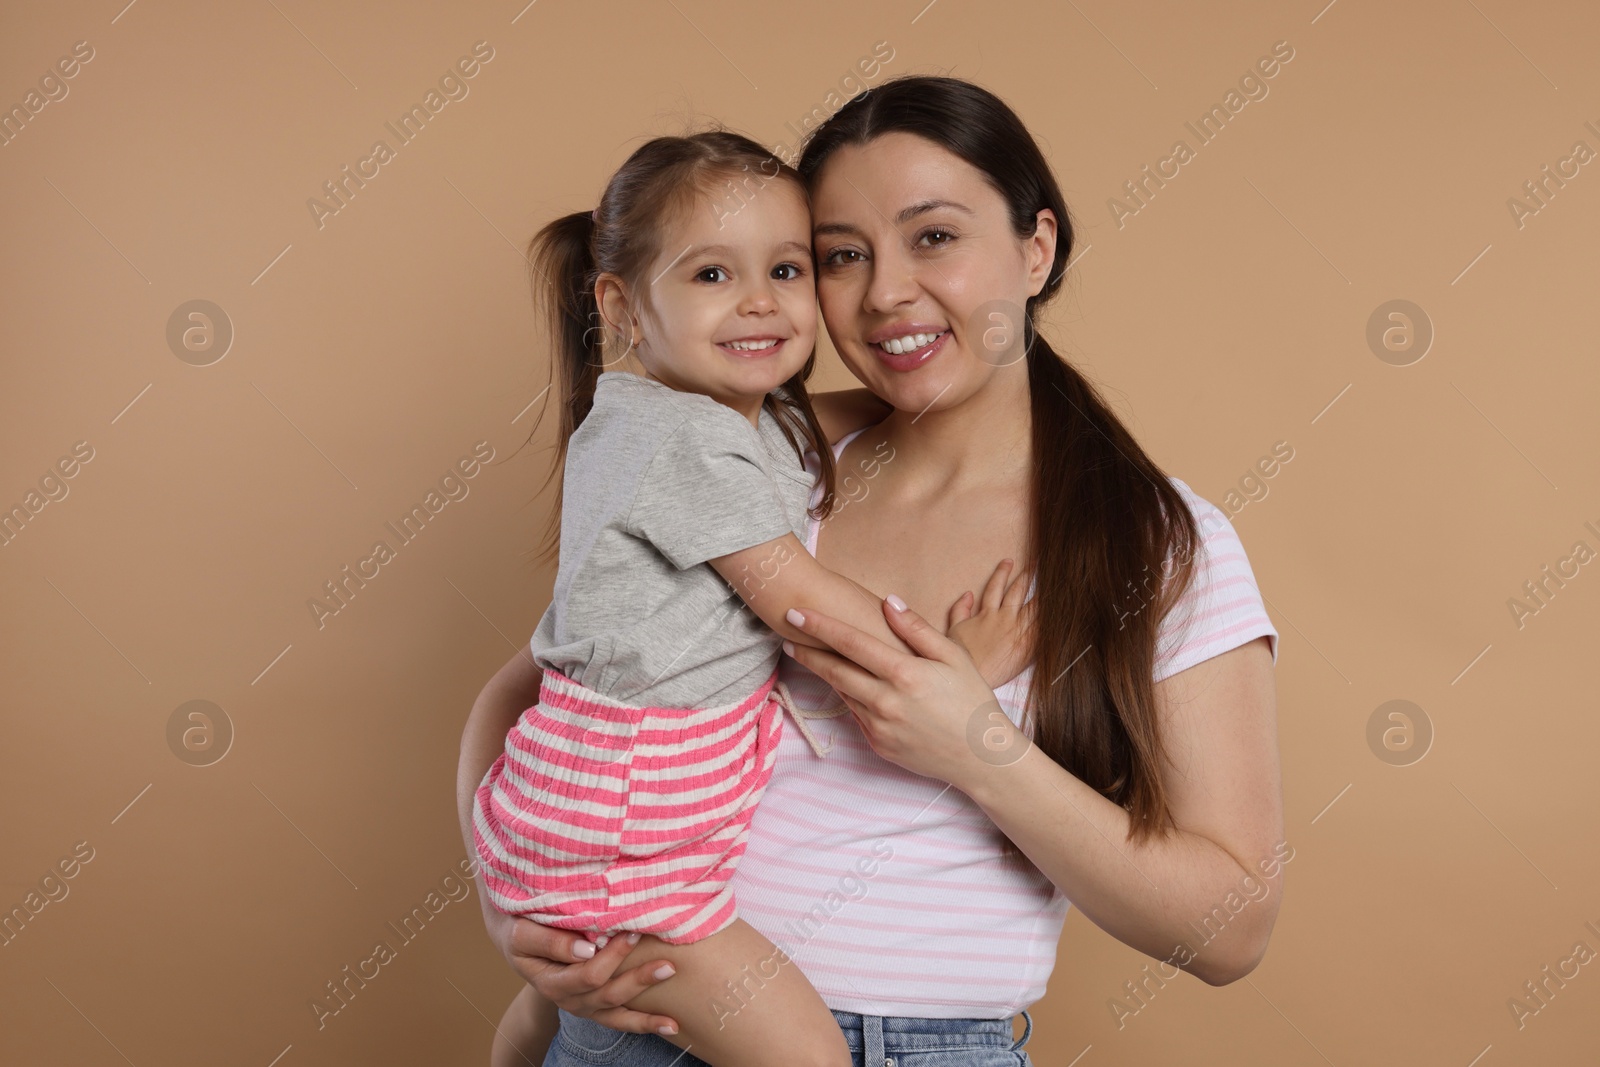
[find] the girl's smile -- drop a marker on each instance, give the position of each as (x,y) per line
(755,347)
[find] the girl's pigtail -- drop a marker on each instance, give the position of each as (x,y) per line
(563,272)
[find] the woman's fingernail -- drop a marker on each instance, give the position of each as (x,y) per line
(895,602)
(795,617)
(664,971)
(633,938)
(788,647)
(666,1029)
(584,950)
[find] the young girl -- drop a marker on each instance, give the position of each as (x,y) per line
(623,799)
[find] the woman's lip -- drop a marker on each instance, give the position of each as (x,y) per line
(908,361)
(758,353)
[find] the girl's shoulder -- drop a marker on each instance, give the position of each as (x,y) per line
(642,408)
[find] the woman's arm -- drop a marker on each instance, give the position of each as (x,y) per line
(548,959)
(1204,897)
(1225,792)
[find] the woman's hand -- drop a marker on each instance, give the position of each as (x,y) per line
(931,713)
(545,958)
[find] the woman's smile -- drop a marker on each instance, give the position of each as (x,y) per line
(905,347)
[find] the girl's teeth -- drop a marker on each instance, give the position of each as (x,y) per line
(752,346)
(910,343)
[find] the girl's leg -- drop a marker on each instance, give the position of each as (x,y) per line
(525,1031)
(740,1002)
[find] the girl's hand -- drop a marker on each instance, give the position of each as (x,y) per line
(931,713)
(996,630)
(544,957)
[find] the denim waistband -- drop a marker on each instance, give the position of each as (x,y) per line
(874,1033)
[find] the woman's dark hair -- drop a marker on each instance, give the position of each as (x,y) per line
(1104,519)
(663,180)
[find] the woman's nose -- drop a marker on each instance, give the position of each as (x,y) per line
(893,280)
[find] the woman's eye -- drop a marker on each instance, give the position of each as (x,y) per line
(832,258)
(943,233)
(703,271)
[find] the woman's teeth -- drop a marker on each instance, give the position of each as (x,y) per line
(910,342)
(751,346)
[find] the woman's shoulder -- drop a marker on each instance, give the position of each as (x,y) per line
(1207,516)
(844,412)
(1222,606)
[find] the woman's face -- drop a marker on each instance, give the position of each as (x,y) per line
(921,281)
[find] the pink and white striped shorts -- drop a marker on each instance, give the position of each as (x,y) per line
(603,816)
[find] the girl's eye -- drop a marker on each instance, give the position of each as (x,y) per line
(832,258)
(795,270)
(700,274)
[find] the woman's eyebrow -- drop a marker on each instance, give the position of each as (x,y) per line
(922,207)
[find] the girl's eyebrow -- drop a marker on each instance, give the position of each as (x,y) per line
(905,216)
(728,250)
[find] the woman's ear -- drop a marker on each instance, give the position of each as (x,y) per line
(1041,250)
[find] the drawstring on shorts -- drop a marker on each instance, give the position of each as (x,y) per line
(781,694)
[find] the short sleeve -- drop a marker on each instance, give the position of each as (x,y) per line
(1222,608)
(707,492)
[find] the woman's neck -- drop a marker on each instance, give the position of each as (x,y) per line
(985,440)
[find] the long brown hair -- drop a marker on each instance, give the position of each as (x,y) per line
(663,178)
(1104,519)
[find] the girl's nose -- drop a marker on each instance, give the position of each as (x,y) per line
(758,299)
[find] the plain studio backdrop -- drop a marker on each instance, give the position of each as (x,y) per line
(231,370)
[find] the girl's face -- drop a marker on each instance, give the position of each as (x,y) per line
(731,311)
(921,280)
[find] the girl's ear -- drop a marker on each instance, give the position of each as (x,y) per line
(611,295)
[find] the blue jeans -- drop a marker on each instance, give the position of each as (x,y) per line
(874,1040)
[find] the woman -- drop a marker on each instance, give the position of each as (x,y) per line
(920,873)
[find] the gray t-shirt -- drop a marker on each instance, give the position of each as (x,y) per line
(658,481)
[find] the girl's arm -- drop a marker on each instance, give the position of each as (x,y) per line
(779,576)
(546,958)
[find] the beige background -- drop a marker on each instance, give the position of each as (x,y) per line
(1228,314)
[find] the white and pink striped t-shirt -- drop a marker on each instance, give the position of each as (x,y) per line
(890,889)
